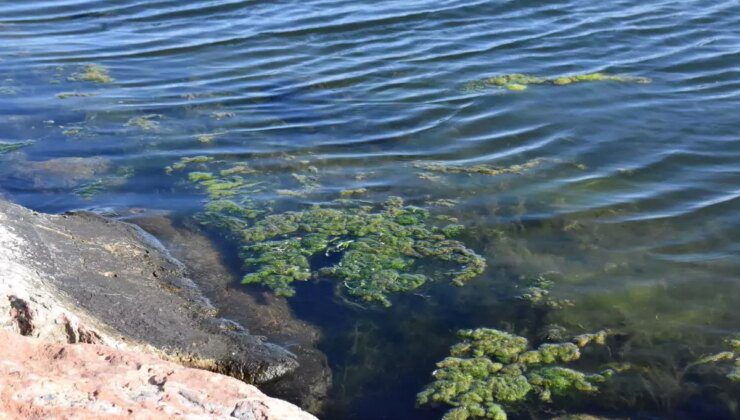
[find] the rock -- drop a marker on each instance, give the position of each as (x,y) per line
(47,380)
(263,314)
(65,172)
(80,277)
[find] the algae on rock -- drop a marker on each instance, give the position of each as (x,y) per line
(492,370)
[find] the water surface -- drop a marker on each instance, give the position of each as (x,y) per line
(634,203)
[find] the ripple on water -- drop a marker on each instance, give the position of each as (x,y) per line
(634,202)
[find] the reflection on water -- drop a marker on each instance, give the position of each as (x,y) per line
(626,194)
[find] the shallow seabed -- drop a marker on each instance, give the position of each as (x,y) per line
(597,202)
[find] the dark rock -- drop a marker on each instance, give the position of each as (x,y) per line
(264,314)
(125,287)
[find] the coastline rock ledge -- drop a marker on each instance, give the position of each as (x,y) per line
(99,299)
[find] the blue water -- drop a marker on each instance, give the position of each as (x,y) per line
(634,202)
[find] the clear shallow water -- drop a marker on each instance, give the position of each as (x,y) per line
(635,201)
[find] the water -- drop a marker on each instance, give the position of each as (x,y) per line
(634,202)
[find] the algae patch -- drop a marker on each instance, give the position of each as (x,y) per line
(491,371)
(94,73)
(484,169)
(378,249)
(519,82)
(146,122)
(11,147)
(372,251)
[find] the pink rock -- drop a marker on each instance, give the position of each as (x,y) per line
(39,379)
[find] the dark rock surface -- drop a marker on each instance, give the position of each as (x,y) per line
(112,272)
(263,313)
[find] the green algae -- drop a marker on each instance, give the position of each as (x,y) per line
(185,162)
(94,73)
(11,147)
(353,192)
(97,186)
(731,355)
(208,137)
(537,293)
(145,122)
(67,95)
(378,249)
(484,169)
(520,82)
(598,337)
(375,249)
(73,131)
(491,371)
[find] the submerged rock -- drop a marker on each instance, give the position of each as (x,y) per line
(80,277)
(263,314)
(65,172)
(49,380)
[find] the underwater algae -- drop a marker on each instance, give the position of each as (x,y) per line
(67,95)
(11,147)
(519,82)
(484,169)
(375,247)
(537,292)
(94,73)
(100,185)
(723,358)
(490,371)
(146,122)
(378,249)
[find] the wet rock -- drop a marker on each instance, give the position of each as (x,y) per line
(264,314)
(80,277)
(65,172)
(47,380)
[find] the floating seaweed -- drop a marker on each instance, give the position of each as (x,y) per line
(519,82)
(185,161)
(484,169)
(353,192)
(67,95)
(93,73)
(145,122)
(97,186)
(208,137)
(490,371)
(11,147)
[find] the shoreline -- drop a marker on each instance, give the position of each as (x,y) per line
(81,278)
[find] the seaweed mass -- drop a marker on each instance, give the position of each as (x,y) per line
(518,82)
(491,370)
(375,247)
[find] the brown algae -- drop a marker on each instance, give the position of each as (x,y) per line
(490,371)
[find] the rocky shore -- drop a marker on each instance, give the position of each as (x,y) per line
(100,298)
